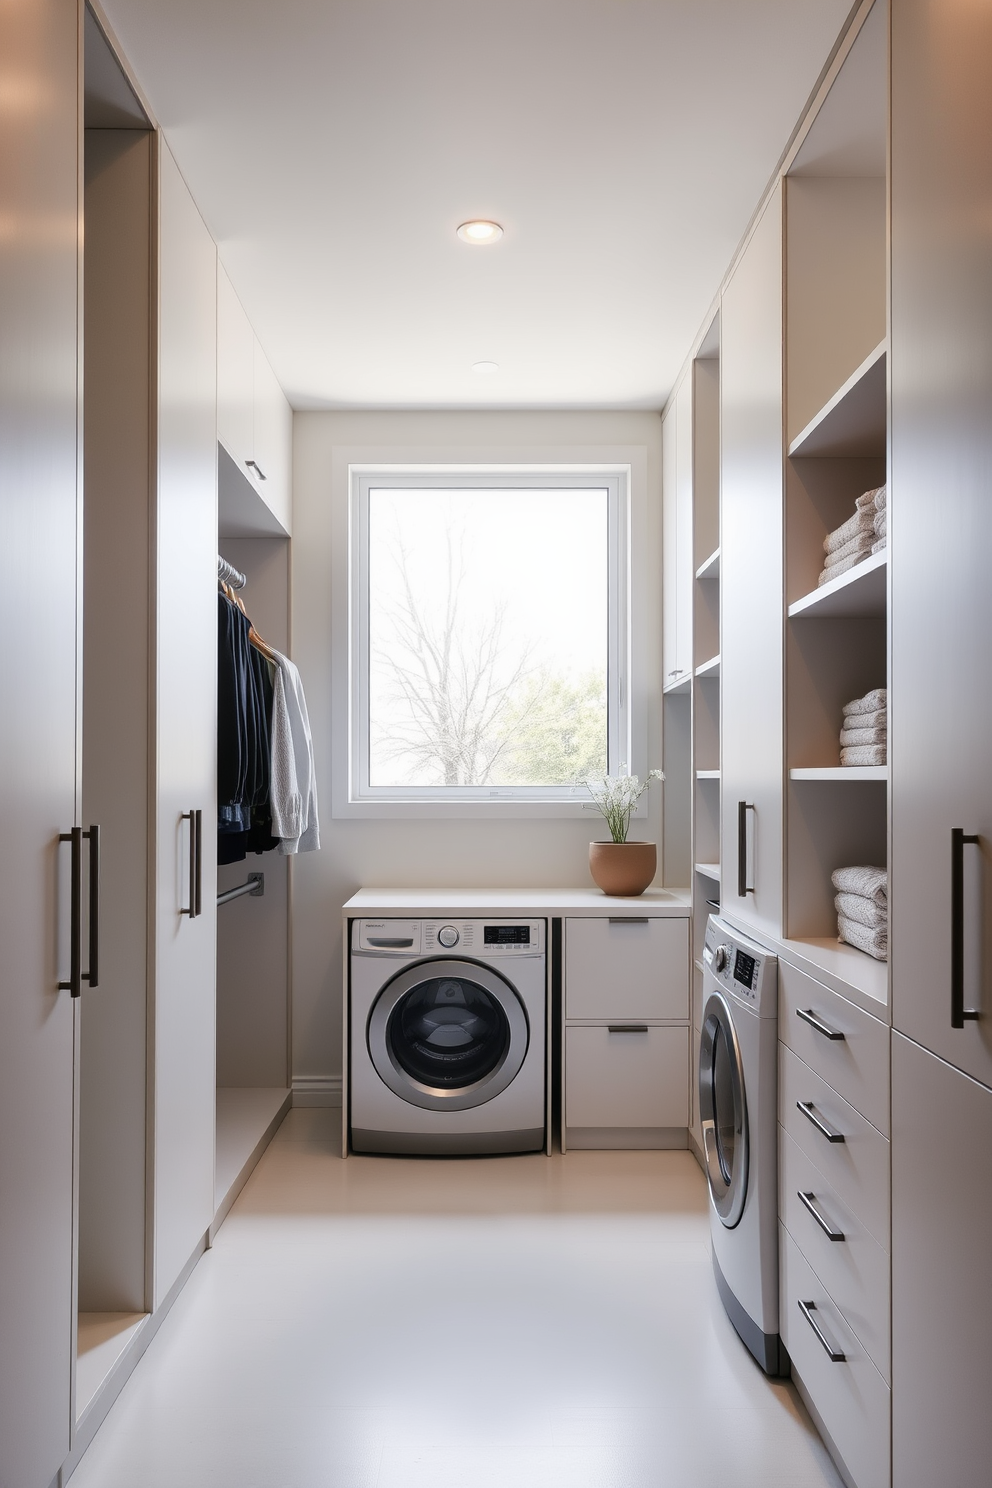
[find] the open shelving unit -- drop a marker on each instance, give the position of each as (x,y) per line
(836,645)
(710,668)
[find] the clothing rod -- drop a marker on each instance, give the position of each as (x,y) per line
(255,886)
(228,574)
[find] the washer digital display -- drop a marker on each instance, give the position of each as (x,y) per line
(744,970)
(506,935)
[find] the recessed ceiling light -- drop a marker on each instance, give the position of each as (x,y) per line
(484,367)
(480,234)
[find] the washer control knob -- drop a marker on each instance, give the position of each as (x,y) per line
(448,935)
(720,957)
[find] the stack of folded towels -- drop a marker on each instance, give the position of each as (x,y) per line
(860,536)
(862,905)
(864,734)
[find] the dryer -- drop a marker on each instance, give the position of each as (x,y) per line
(448,1035)
(738,1096)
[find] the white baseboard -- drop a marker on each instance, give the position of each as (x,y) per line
(317,1090)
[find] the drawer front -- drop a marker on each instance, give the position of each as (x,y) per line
(854,1270)
(850,1397)
(857,1066)
(627,1079)
(627,968)
(857,1168)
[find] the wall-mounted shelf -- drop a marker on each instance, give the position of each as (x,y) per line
(709,870)
(841,772)
(709,668)
(852,423)
(711,568)
(858,592)
(707,774)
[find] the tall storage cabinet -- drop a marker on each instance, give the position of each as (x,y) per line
(185,737)
(941,725)
(39,553)
(751,578)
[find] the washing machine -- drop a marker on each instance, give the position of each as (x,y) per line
(448,1035)
(738,1095)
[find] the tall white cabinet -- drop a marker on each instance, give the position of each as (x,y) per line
(39,565)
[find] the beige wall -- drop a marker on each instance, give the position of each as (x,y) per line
(440,853)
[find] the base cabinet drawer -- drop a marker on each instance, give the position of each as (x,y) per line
(626,1078)
(848,1396)
(627,967)
(847,1047)
(850,1153)
(848,1260)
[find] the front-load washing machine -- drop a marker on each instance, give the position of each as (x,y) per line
(448,1035)
(738,1093)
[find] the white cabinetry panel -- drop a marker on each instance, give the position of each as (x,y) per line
(627,1078)
(273,440)
(186,732)
(941,1298)
(677,538)
(627,968)
(39,550)
(235,376)
(857,1064)
(751,573)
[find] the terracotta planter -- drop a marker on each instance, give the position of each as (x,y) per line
(623,868)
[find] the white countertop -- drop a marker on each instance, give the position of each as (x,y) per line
(416,903)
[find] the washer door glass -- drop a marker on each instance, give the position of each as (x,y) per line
(447,1034)
(723,1111)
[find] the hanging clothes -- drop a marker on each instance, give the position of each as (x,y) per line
(294,778)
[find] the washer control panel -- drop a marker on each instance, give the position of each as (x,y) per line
(483,939)
(740,966)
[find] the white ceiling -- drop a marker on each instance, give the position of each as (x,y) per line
(334,146)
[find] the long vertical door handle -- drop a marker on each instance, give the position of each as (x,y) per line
(74,985)
(743,887)
(92,977)
(959,1013)
(195,819)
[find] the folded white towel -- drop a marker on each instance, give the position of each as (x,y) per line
(860,543)
(873,500)
(850,737)
(862,521)
(837,569)
(870,883)
(881,523)
(864,754)
(872,702)
(878,719)
(865,938)
(879,545)
(864,911)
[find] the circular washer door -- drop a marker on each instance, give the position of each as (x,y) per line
(447,1034)
(723,1111)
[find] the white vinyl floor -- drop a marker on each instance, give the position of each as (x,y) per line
(521,1322)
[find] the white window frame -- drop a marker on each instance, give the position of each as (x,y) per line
(486,801)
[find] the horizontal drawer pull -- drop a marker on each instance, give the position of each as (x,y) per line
(825,1131)
(808,1016)
(834,1354)
(629,920)
(808,1201)
(627,1028)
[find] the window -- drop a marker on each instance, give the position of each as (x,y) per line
(489,634)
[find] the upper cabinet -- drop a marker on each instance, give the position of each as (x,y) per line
(254,420)
(677,539)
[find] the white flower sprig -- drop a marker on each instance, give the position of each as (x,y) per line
(616,796)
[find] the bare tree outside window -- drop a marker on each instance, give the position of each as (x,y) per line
(488,633)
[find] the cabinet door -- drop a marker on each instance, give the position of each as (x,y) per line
(39,174)
(631,1080)
(751,574)
(940,718)
(235,376)
(273,441)
(627,968)
(186,731)
(941,1299)
(684,571)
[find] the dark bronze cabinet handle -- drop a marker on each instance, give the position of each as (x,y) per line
(77,975)
(195,819)
(743,887)
(959,1013)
